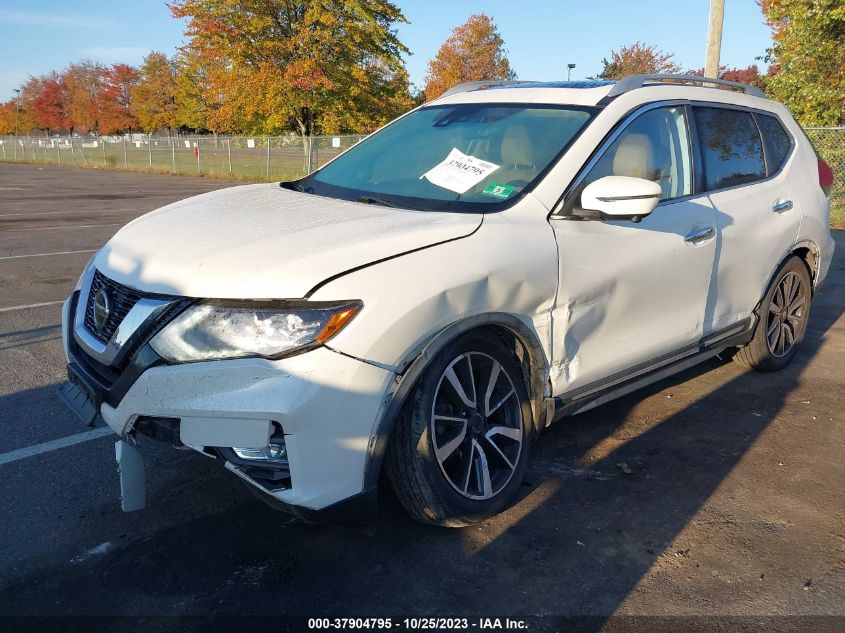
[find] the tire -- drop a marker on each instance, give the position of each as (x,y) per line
(781,325)
(442,445)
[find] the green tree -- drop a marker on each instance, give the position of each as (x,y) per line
(808,58)
(474,52)
(270,65)
(154,96)
(637,59)
(190,90)
(381,96)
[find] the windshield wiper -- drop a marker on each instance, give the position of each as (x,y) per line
(382,202)
(293,186)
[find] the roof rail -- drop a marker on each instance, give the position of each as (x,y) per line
(480,85)
(638,81)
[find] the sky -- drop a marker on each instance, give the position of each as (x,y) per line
(541,37)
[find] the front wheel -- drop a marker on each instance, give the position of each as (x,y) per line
(784,313)
(459,449)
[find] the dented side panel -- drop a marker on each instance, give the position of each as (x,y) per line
(629,292)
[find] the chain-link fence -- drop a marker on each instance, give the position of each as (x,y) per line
(246,157)
(830,144)
(272,157)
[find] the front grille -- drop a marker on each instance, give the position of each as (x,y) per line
(123,299)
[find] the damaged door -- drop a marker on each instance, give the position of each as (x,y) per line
(631,292)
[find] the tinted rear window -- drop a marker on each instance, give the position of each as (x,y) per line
(731,148)
(778,142)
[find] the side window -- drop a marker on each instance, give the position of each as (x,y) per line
(778,143)
(731,148)
(655,146)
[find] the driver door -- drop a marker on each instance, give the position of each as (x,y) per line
(630,292)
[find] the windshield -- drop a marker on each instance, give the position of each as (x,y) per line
(460,157)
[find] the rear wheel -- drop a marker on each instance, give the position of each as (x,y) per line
(458,452)
(784,312)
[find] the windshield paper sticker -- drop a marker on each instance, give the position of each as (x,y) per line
(496,190)
(459,172)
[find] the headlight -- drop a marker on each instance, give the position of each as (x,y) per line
(84,272)
(270,329)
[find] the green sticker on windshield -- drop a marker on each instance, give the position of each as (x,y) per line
(498,191)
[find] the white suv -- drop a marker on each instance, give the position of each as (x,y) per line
(429,301)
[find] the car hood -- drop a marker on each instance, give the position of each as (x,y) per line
(262,241)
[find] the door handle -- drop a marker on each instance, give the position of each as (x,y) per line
(701,235)
(781,205)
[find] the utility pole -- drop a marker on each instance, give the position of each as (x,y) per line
(17,108)
(714,38)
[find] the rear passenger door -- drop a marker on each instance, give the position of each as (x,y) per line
(745,158)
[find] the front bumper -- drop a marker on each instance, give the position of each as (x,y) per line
(327,404)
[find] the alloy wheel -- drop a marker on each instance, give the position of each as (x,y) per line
(476,426)
(786,314)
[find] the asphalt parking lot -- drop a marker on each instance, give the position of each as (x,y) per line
(719,492)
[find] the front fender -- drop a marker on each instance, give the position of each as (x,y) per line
(531,354)
(504,275)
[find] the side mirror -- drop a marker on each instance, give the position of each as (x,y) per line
(620,198)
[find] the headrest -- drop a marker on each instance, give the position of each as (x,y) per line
(634,157)
(517,147)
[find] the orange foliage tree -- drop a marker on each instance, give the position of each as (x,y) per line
(749,75)
(116,99)
(7,117)
(27,117)
(83,80)
(51,104)
(474,52)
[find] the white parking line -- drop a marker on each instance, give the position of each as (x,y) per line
(31,305)
(53,445)
(76,226)
(30,214)
(93,250)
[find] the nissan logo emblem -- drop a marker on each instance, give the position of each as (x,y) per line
(102,308)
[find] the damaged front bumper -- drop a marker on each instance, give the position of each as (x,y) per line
(321,405)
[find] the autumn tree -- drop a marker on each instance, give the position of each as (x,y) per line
(15,116)
(750,75)
(387,95)
(83,82)
(20,113)
(272,64)
(154,98)
(192,94)
(637,59)
(389,98)
(52,103)
(116,99)
(28,113)
(808,58)
(474,52)
(7,117)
